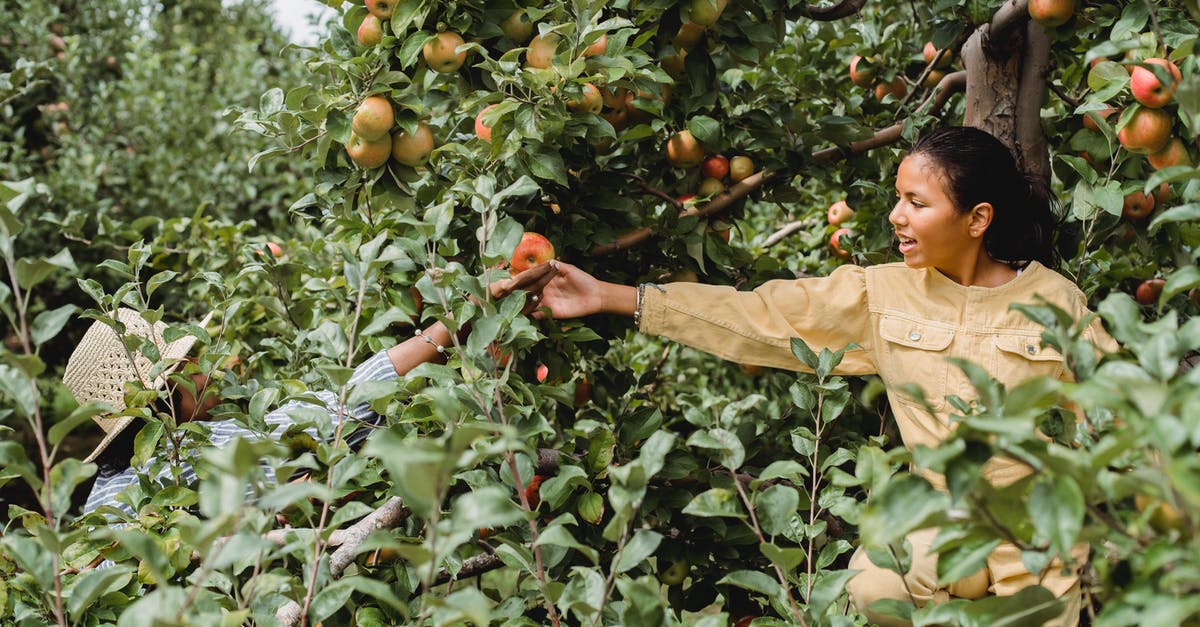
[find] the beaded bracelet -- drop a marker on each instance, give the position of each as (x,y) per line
(421,334)
(637,312)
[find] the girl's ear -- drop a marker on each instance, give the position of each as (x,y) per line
(980,219)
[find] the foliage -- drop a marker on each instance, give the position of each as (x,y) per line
(671,488)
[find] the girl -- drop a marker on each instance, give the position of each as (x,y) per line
(976,237)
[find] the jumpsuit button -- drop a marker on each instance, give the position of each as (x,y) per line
(914,336)
(1031,349)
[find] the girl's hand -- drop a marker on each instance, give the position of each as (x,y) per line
(533,280)
(573,293)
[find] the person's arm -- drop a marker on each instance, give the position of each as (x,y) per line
(423,346)
(754,327)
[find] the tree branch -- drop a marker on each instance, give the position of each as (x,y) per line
(950,84)
(788,229)
(845,8)
(1031,95)
(1010,15)
(387,516)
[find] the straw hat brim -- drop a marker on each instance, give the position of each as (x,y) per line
(173,353)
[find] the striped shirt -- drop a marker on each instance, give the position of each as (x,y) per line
(378,368)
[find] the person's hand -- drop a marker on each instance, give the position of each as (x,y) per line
(571,293)
(533,280)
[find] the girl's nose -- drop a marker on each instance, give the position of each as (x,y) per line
(894,216)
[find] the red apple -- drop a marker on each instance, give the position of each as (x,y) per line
(597,48)
(368,154)
(543,371)
(716,167)
(1103,114)
(862,71)
(370,32)
(381,9)
(740,167)
(1051,13)
(684,150)
(1137,205)
(897,87)
(835,243)
(930,52)
(839,212)
(1162,194)
(1147,132)
(687,201)
(533,250)
(532,493)
(933,78)
(483,131)
(1149,291)
(1146,87)
(439,52)
(374,118)
(1174,153)
(275,249)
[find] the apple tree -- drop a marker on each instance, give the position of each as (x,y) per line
(572,471)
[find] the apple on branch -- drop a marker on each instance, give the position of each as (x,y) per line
(373,119)
(439,52)
(740,167)
(684,150)
(839,212)
(1148,89)
(1149,291)
(716,167)
(413,150)
(533,250)
(1051,13)
(370,32)
(1146,132)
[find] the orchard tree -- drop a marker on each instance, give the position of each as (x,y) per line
(578,472)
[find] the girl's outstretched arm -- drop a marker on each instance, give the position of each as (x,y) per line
(573,293)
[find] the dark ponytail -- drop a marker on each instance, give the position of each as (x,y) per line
(979,168)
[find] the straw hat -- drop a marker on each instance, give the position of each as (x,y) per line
(99,368)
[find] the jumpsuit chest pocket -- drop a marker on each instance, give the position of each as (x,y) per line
(916,353)
(1019,357)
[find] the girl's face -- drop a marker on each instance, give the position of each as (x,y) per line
(932,232)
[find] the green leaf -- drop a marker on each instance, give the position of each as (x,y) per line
(78,416)
(752,580)
(787,559)
(715,502)
(804,354)
(906,503)
(1183,213)
(489,506)
(730,451)
(776,506)
(48,323)
(93,584)
(1056,509)
(642,545)
(828,589)
(705,129)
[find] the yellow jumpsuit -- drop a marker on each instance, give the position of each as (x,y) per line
(907,323)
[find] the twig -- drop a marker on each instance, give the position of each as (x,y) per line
(387,516)
(788,229)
